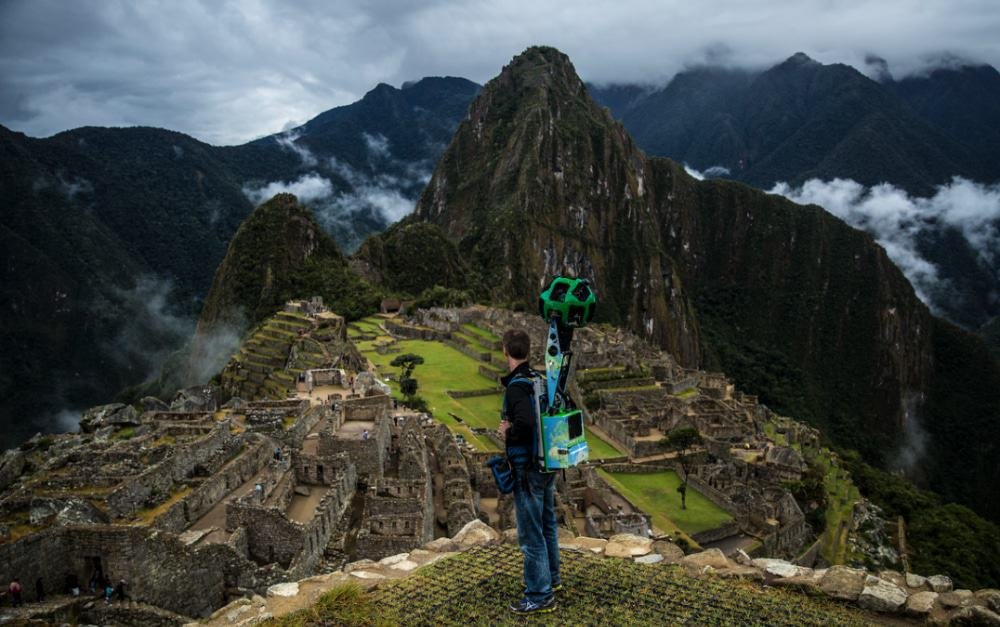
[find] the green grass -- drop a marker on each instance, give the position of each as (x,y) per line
(344,604)
(474,588)
(483,333)
(656,494)
(599,449)
(841,495)
(445,368)
(367,325)
(772,432)
(124,433)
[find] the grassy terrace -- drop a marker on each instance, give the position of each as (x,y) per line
(446,368)
(656,494)
(483,333)
(474,588)
(841,495)
(599,449)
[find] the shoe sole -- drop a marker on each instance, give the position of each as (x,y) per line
(541,611)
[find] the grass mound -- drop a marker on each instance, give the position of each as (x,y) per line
(346,604)
(474,588)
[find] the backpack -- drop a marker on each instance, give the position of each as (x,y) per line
(560,441)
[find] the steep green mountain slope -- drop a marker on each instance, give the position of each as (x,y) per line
(788,300)
(537,180)
(963,101)
(278,253)
(104,233)
(109,237)
(801,120)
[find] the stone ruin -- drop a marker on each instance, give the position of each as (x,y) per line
(634,395)
(200,501)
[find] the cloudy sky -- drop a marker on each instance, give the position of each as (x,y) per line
(227,72)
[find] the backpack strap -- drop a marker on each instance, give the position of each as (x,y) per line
(531,454)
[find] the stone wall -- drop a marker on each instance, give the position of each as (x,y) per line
(209,492)
(368,455)
(717,498)
(329,512)
(719,533)
(366,408)
(320,470)
(155,483)
(408,332)
(304,423)
(390,525)
(607,525)
(160,570)
(473,393)
(479,354)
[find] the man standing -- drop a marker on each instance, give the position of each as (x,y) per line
(534,491)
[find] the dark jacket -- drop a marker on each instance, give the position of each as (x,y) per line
(520,408)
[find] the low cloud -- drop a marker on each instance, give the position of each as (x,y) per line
(288,141)
(713,172)
(378,145)
(214,348)
(898,221)
(308,188)
(147,322)
(382,192)
(914,445)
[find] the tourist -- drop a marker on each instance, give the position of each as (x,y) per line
(364,434)
(39,590)
(534,491)
(109,592)
(120,590)
(15,593)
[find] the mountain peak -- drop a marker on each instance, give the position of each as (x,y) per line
(801,58)
(541,66)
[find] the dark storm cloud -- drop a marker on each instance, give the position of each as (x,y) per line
(226,72)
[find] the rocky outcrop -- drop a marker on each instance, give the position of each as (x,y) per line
(111,415)
(844,583)
(475,533)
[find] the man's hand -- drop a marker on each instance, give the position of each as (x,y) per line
(504,426)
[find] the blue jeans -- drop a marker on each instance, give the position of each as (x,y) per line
(534,504)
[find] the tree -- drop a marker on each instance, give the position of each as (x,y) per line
(681,440)
(406,363)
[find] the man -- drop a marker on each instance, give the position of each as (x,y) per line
(534,491)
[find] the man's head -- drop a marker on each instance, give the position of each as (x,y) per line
(516,345)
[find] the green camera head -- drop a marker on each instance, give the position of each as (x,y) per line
(572,301)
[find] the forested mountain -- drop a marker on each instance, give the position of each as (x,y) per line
(110,236)
(790,301)
(802,121)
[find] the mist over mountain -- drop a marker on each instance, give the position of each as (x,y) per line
(110,236)
(913,161)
